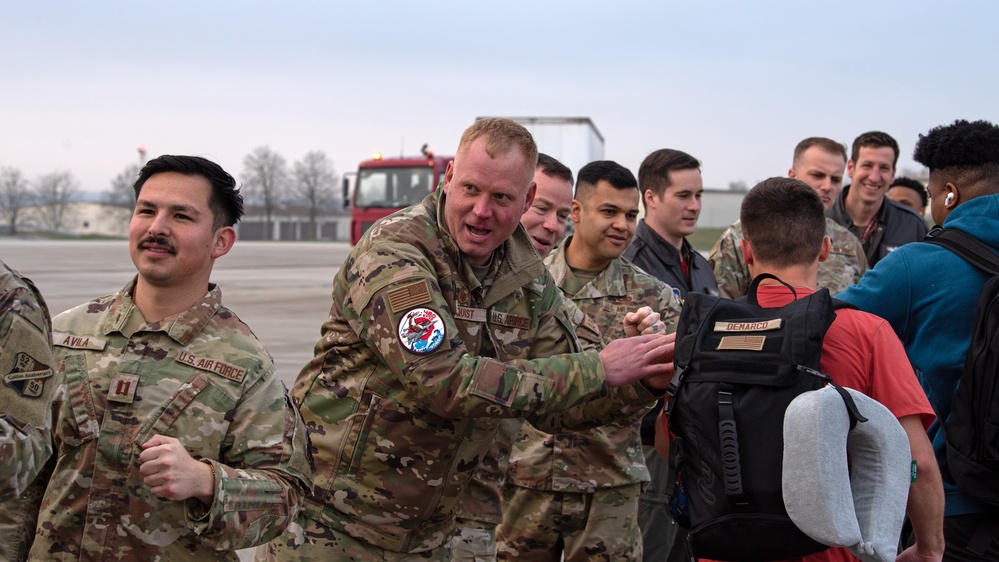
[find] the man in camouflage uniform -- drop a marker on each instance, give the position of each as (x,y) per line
(437,314)
(27,398)
(819,162)
(480,508)
(576,493)
(177,440)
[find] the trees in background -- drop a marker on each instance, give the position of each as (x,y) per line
(314,183)
(121,194)
(54,192)
(267,181)
(265,177)
(15,194)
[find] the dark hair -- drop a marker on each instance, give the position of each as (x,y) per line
(912,184)
(965,152)
(552,167)
(653,174)
(874,139)
(784,220)
(828,145)
(607,170)
(226,202)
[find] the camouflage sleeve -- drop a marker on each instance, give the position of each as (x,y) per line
(28,393)
(730,269)
(453,383)
(263,475)
(629,402)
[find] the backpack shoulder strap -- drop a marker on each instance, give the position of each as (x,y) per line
(973,250)
(838,304)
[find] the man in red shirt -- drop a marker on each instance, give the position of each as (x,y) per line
(784,235)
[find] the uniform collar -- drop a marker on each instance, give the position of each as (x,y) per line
(124,317)
(611,282)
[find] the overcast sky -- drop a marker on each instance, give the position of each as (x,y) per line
(737,84)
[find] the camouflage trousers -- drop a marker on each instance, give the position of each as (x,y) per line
(543,526)
(314,541)
(473,541)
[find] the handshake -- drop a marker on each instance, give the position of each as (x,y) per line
(645,355)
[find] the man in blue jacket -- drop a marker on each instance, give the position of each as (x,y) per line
(929,295)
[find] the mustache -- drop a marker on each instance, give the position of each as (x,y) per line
(157,240)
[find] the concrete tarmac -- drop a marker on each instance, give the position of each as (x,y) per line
(282,290)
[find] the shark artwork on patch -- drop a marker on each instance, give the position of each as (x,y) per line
(421,331)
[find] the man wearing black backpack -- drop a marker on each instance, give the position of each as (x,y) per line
(784,236)
(930,296)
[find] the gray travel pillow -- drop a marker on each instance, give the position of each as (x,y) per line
(861,504)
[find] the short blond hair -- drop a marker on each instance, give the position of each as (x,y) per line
(501,135)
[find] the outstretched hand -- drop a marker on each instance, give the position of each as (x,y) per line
(172,474)
(648,358)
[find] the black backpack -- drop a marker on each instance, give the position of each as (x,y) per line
(738,366)
(972,432)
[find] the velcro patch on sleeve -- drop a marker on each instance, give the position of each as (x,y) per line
(221,368)
(421,331)
(27,375)
(408,296)
(495,382)
(63,339)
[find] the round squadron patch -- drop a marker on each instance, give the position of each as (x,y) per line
(421,331)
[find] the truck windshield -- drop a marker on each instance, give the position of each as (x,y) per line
(393,187)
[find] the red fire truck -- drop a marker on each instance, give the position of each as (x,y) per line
(385,185)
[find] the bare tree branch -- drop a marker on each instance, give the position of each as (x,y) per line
(15,194)
(265,176)
(314,182)
(54,193)
(121,194)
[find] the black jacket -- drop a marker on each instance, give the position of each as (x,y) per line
(661,259)
(894,226)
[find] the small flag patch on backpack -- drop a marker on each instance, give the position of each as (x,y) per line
(747,343)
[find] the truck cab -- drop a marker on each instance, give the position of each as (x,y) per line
(386,185)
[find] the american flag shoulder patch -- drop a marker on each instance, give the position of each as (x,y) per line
(408,296)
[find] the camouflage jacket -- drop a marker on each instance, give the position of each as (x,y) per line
(482,501)
(27,398)
(610,455)
(418,362)
(200,376)
(844,267)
